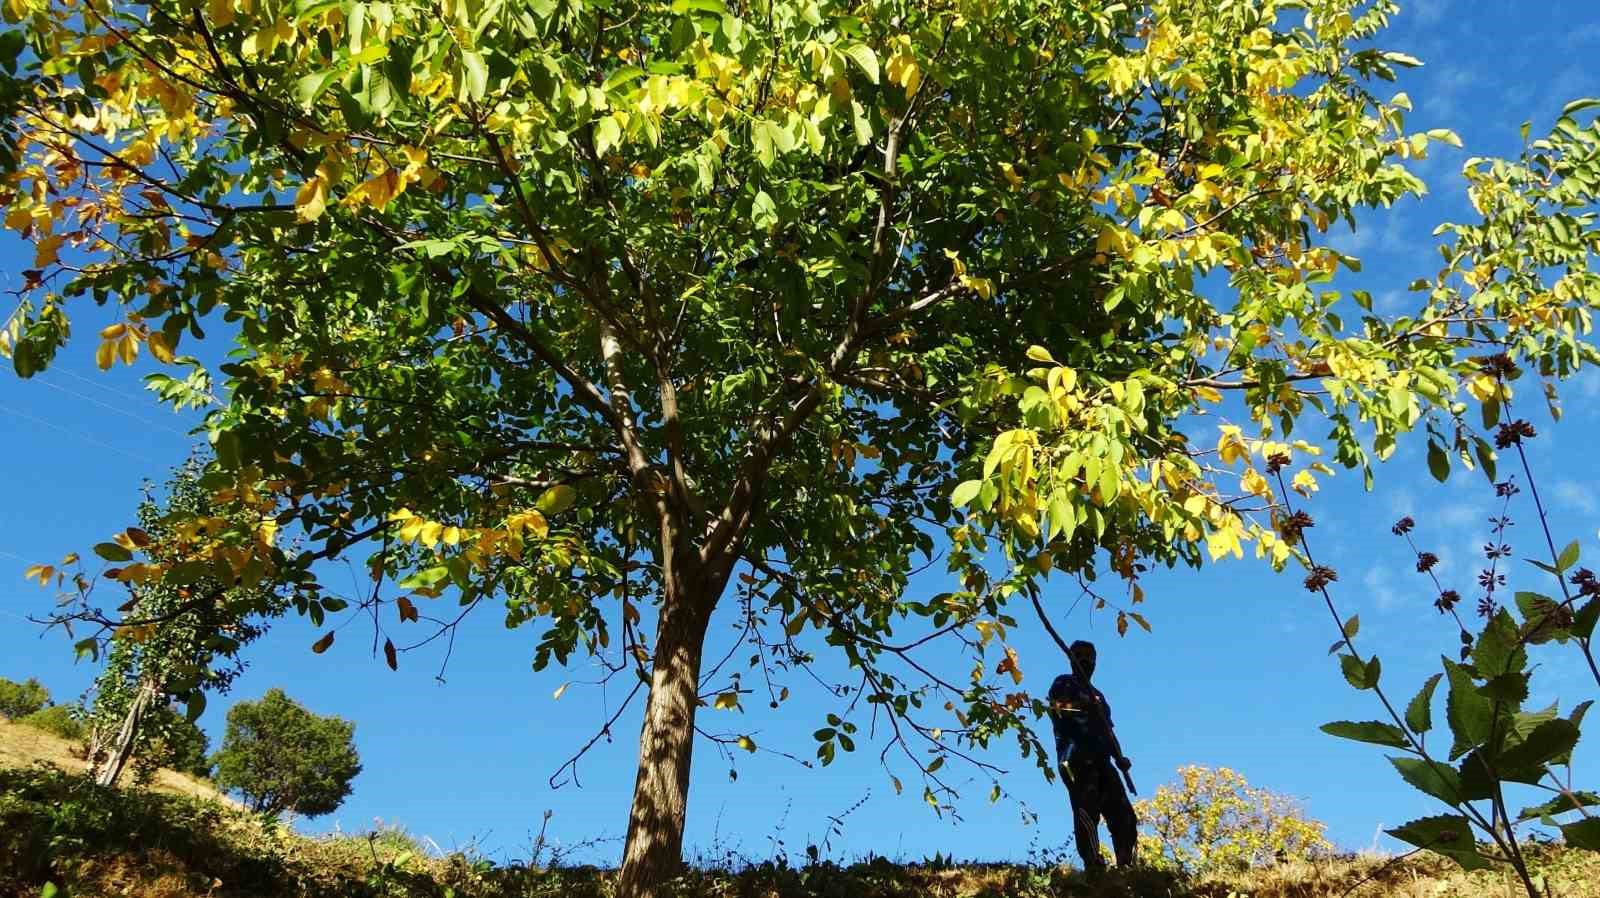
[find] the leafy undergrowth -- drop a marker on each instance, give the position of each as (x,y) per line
(59,828)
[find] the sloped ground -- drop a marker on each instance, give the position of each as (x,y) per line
(175,839)
(22,745)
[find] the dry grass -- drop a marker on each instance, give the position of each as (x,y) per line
(23,746)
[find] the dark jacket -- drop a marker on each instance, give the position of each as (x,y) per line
(1081,734)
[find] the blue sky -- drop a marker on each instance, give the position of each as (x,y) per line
(1235,673)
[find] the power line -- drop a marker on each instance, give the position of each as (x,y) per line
(115,408)
(81,435)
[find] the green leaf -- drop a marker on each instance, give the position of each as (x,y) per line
(1352,626)
(1438,462)
(112,552)
(427,578)
(1431,777)
(1583,834)
(1561,804)
(1580,105)
(1569,557)
(310,87)
(1419,712)
(1467,711)
(1448,834)
(1583,622)
(863,56)
(763,211)
(556,499)
(1576,717)
(965,492)
(1549,740)
(1358,674)
(474,75)
(1374,731)
(1510,690)
(1499,649)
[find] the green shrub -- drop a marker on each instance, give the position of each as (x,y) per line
(59,720)
(281,757)
(21,699)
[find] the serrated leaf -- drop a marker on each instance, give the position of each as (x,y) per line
(1431,777)
(1549,740)
(1374,731)
(1468,712)
(1447,834)
(1583,834)
(1361,675)
(1561,804)
(1499,649)
(1419,712)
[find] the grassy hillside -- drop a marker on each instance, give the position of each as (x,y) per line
(22,745)
(176,839)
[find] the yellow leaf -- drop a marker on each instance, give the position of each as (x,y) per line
(40,572)
(44,252)
(452,535)
(159,347)
(560,689)
(1253,482)
(106,355)
(411,529)
(221,12)
(1304,483)
(726,701)
(312,199)
(113,331)
(128,347)
(430,533)
(1209,394)
(746,743)
(378,190)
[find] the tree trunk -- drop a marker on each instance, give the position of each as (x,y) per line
(111,768)
(654,849)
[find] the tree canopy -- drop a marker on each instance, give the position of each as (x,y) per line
(282,757)
(607,309)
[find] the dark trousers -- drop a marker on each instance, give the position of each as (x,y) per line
(1095,790)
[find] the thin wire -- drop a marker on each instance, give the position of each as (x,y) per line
(99,384)
(80,435)
(118,409)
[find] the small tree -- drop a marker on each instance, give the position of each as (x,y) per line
(188,650)
(282,757)
(1213,821)
(21,699)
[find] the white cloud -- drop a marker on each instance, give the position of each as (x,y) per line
(1427,12)
(1379,581)
(1576,496)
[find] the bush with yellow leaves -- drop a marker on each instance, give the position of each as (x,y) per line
(1212,821)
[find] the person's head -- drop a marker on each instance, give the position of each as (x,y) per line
(1083,657)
